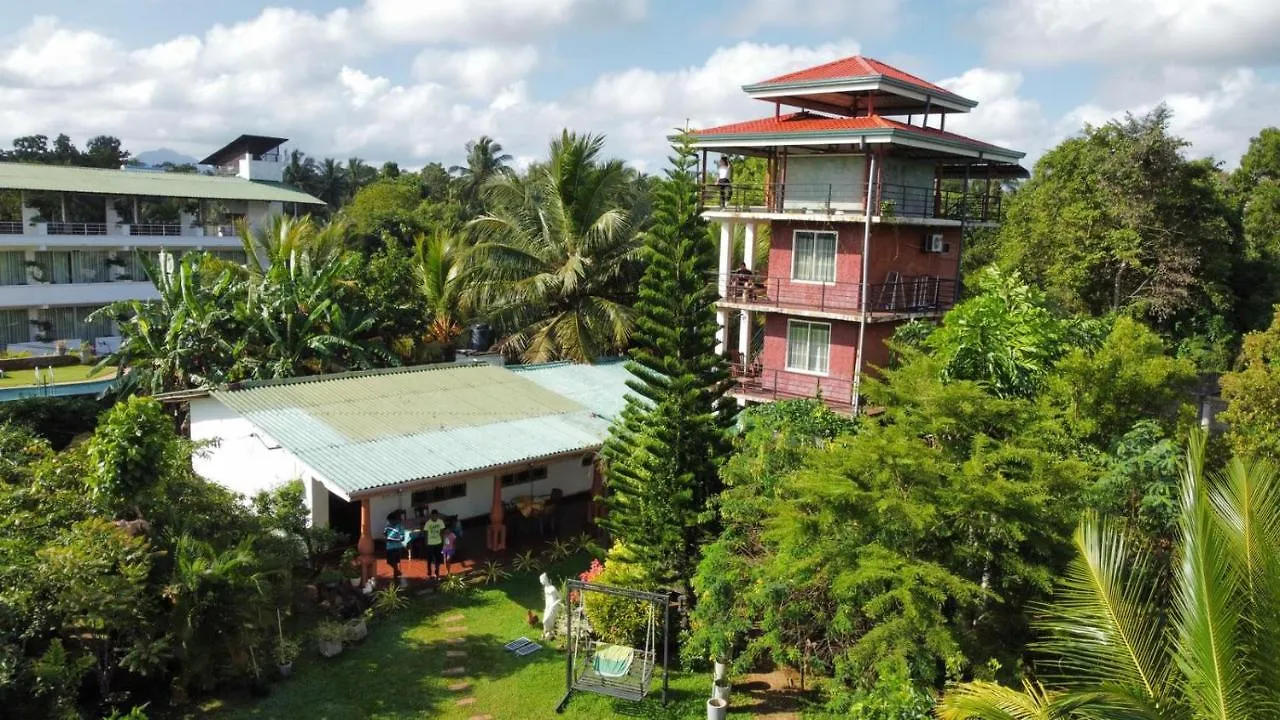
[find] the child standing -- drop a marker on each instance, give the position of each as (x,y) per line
(433,528)
(450,547)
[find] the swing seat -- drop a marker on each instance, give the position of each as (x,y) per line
(613,661)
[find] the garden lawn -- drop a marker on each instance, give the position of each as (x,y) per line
(397,671)
(66,374)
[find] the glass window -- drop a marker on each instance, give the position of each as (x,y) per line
(808,346)
(524,476)
(439,493)
(15,327)
(13,269)
(814,256)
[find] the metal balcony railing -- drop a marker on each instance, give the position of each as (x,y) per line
(888,200)
(756,383)
(10,227)
(156,229)
(908,295)
(72,228)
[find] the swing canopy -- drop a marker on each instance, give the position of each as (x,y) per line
(619,671)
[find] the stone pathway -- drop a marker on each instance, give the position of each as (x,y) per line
(461,687)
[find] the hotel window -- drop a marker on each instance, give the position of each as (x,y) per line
(808,346)
(524,476)
(814,256)
(13,267)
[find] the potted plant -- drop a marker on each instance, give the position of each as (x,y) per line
(86,352)
(37,273)
(349,567)
(329,637)
(286,652)
(116,267)
(60,347)
(356,630)
(888,208)
(44,330)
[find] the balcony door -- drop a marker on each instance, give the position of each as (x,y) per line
(819,182)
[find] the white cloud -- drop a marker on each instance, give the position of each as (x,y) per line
(480,71)
(1002,116)
(1217,120)
(824,15)
(461,21)
(1191,31)
(47,54)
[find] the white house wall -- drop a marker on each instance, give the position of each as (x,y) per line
(569,476)
(244,460)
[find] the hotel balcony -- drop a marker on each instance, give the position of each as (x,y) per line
(755,385)
(91,293)
(97,234)
(847,201)
(908,297)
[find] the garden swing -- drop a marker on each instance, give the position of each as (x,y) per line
(609,669)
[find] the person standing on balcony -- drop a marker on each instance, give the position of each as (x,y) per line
(724,179)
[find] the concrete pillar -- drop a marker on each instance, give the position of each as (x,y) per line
(29,215)
(496,539)
(749,246)
(365,546)
(111,217)
(744,337)
(726,258)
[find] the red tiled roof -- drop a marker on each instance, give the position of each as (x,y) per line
(854,67)
(804,122)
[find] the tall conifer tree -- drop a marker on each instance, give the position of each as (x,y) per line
(666,447)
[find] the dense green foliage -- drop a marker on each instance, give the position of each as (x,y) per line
(664,451)
(1120,643)
(913,546)
(1117,219)
(123,576)
(1252,392)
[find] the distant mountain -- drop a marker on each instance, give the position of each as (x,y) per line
(164,155)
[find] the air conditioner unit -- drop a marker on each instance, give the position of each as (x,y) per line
(933,243)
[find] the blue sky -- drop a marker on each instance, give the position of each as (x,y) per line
(412,80)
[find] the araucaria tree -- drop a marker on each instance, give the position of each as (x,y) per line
(665,449)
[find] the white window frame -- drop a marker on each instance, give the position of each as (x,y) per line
(795,254)
(804,371)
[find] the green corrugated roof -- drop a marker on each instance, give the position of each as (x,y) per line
(363,431)
(98,181)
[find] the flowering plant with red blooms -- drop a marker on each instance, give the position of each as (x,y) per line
(589,576)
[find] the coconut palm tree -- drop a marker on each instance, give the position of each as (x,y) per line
(485,161)
(1121,645)
(359,173)
(553,261)
(301,171)
(331,183)
(438,265)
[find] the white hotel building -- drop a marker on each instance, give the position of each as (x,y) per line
(70,236)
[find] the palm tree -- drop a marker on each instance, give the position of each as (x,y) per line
(485,161)
(359,173)
(331,183)
(553,262)
(301,172)
(1122,645)
(438,265)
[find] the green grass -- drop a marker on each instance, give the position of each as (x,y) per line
(67,374)
(396,671)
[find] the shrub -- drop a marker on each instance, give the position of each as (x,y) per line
(617,619)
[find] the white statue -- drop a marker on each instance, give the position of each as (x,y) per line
(550,608)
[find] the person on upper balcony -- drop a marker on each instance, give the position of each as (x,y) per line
(724,173)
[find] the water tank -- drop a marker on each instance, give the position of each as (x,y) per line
(481,337)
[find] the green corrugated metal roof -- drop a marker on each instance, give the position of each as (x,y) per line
(98,181)
(363,431)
